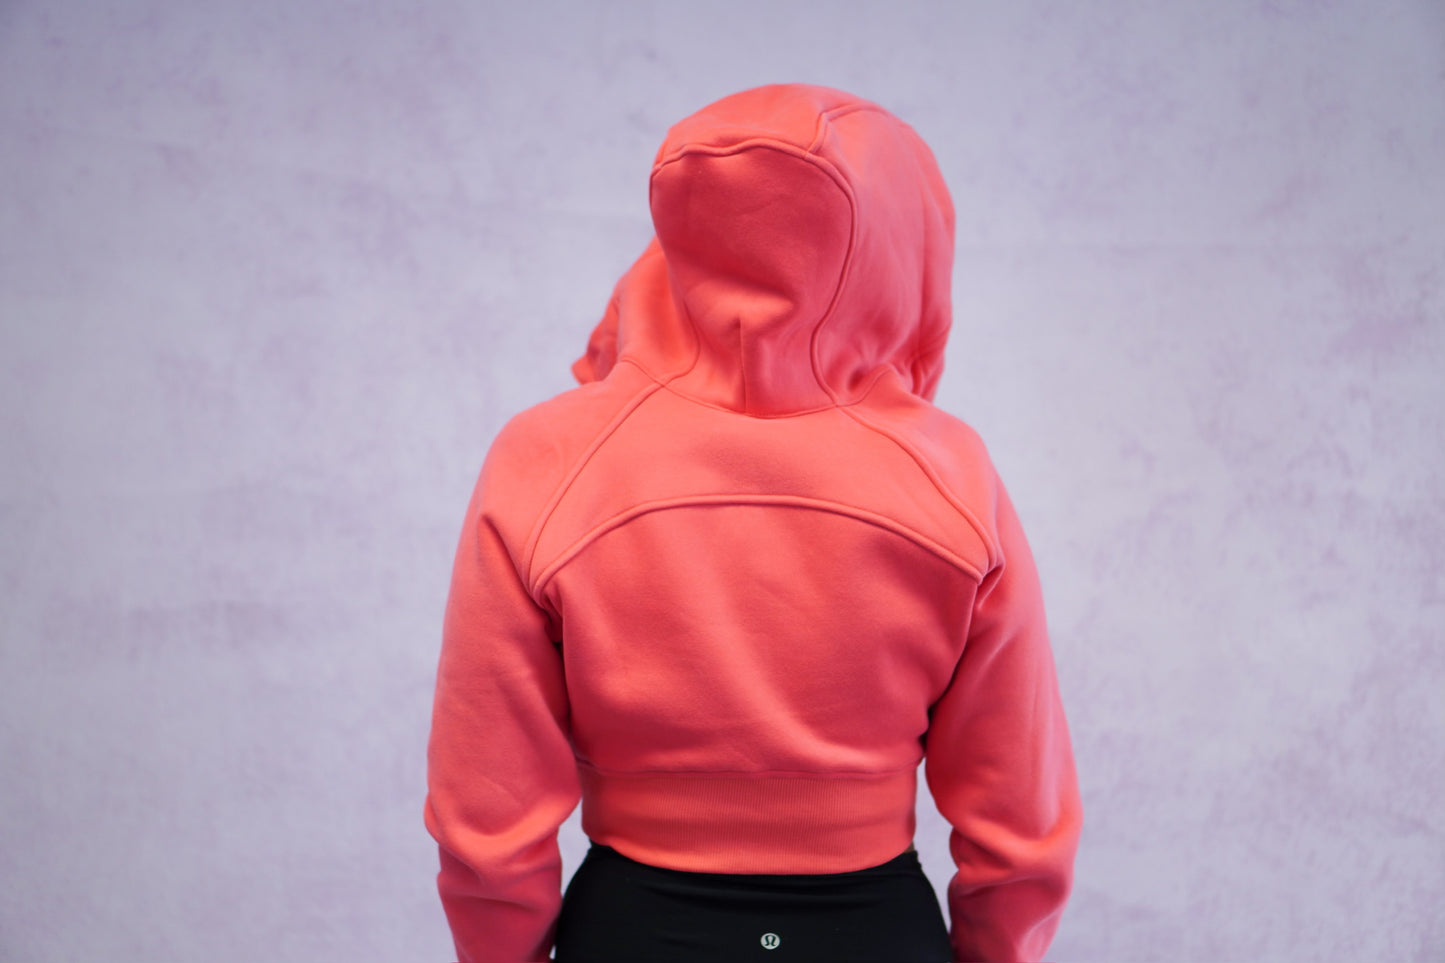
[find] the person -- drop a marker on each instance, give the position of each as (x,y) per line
(731,590)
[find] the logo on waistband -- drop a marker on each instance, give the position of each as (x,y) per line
(771,941)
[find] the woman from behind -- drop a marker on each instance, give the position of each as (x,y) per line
(730,591)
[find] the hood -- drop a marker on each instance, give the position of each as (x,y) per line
(803,249)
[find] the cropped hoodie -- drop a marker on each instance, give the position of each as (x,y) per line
(731,590)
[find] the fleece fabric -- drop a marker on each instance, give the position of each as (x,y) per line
(731,590)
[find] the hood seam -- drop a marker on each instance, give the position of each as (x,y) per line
(835,175)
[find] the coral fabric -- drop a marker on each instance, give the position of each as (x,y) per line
(731,590)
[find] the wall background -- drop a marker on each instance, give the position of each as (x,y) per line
(272,275)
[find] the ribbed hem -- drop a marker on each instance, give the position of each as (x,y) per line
(751,822)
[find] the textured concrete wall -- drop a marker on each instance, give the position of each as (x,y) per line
(273,273)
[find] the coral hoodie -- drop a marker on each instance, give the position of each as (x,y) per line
(735,587)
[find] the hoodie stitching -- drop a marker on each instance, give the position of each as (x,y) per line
(994,554)
(826,117)
(715,406)
(752,143)
(724,500)
(529,552)
(836,176)
(879,774)
(815,340)
(873,380)
(825,120)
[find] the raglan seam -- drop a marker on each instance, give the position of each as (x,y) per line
(575,471)
(931,473)
(720,500)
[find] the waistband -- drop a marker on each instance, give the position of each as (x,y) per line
(904,864)
(751,823)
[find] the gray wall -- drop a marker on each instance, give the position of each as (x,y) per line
(273,273)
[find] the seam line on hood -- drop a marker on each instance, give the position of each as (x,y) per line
(751,500)
(761,141)
(836,176)
(825,120)
(827,117)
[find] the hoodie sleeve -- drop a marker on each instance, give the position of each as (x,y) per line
(1001,770)
(501,774)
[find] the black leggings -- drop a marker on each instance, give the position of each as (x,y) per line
(617,909)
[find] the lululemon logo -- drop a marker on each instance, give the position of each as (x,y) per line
(771,941)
